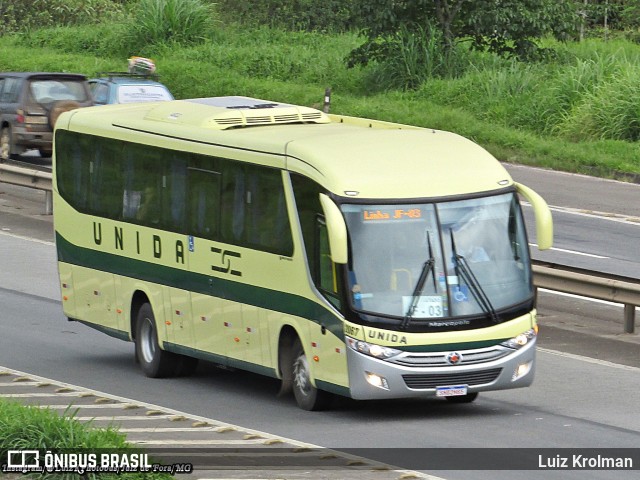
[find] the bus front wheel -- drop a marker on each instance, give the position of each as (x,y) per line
(307,396)
(155,362)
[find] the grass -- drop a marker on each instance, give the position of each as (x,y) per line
(576,112)
(29,428)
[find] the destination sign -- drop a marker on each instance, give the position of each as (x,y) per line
(373,215)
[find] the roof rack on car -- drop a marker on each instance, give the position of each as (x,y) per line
(152,76)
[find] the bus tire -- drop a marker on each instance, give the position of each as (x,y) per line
(468,398)
(307,396)
(155,362)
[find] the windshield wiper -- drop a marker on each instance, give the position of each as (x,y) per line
(427,268)
(464,270)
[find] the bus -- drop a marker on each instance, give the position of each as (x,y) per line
(342,256)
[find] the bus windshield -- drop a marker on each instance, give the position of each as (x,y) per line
(438,260)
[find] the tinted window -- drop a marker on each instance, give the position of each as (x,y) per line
(11,90)
(100,92)
(48,91)
(205,196)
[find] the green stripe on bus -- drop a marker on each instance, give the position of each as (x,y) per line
(195,282)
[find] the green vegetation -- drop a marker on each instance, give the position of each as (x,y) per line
(574,110)
(32,428)
(180,22)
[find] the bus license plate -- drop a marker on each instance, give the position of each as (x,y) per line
(455,391)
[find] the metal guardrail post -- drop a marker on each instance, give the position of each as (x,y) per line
(629,318)
(48,202)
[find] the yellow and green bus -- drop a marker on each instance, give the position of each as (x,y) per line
(340,255)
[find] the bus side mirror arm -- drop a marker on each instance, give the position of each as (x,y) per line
(544,222)
(336,229)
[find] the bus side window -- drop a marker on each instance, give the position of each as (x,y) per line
(233,204)
(268,225)
(322,270)
(327,276)
(106,178)
(204,203)
(142,186)
(174,192)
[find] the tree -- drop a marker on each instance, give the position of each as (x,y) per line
(505,27)
(513,27)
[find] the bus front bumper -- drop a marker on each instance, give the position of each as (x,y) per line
(371,378)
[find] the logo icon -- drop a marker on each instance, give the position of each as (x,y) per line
(453,358)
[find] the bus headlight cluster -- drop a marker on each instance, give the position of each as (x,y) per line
(371,349)
(521,340)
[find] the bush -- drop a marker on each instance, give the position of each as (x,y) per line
(102,40)
(412,57)
(306,15)
(610,111)
(157,22)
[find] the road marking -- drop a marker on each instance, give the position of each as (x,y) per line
(573,252)
(73,406)
(594,361)
(126,417)
(39,395)
(586,299)
(22,237)
(198,442)
(168,429)
(20,384)
(611,217)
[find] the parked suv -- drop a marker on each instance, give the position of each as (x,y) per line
(30,104)
(122,87)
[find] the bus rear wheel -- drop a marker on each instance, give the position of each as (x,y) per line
(307,396)
(155,362)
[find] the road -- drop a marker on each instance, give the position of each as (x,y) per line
(596,221)
(579,399)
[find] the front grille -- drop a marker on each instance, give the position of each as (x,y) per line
(439,359)
(422,381)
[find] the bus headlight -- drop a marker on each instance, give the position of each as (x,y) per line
(371,349)
(521,340)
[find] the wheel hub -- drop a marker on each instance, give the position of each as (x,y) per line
(301,375)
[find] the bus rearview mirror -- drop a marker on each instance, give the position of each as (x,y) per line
(336,229)
(544,222)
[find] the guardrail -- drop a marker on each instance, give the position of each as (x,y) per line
(559,278)
(31,178)
(587,283)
